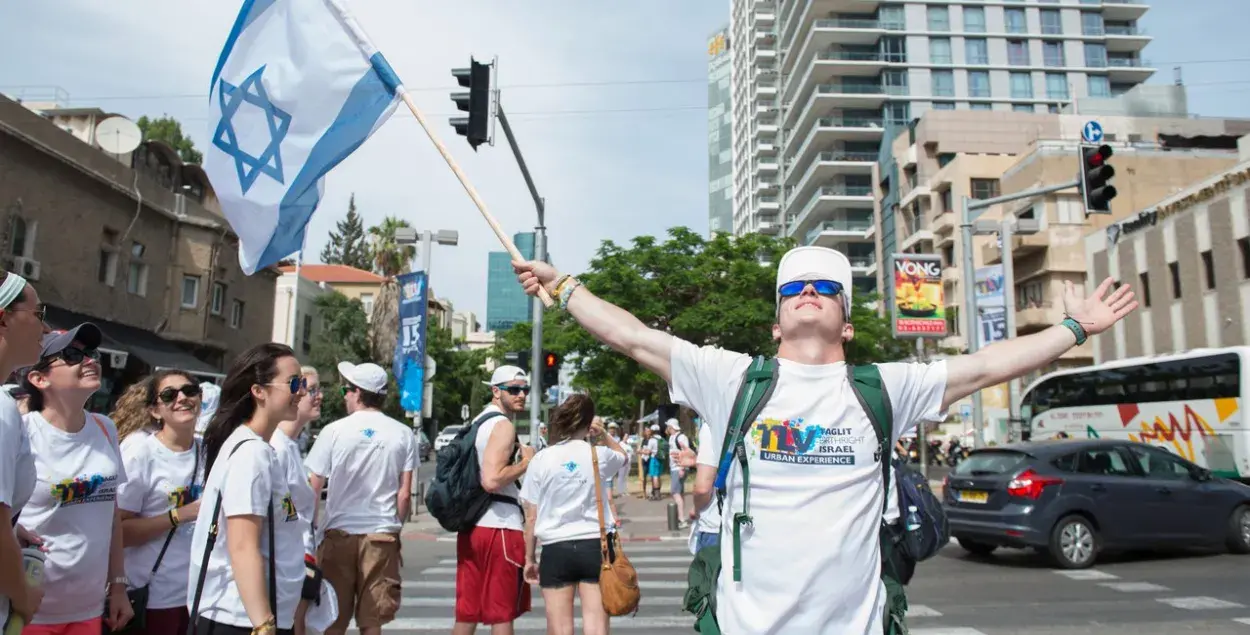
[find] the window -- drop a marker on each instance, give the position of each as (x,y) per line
(1159,464)
(190,291)
(893,49)
(366,301)
(1017,53)
(984,188)
(894,82)
(219,299)
(1056,86)
(236,314)
(1207,377)
(892,18)
(137,272)
(1015,21)
(1243,245)
(1208,268)
(19,242)
(1175,271)
(943,83)
(108,258)
(974,20)
(1099,86)
(1052,53)
(1095,55)
(978,84)
(1051,24)
(976,51)
(1022,86)
(1103,461)
(943,105)
(1091,23)
(939,19)
(1022,108)
(1144,280)
(940,50)
(307,337)
(980,106)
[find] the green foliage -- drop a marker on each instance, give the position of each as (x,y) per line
(166,129)
(343,337)
(718,291)
(458,377)
(347,244)
(389,257)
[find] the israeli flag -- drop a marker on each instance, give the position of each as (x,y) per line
(298,87)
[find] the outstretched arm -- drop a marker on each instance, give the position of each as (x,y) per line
(1004,361)
(607,322)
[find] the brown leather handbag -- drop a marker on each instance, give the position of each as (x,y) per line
(618,581)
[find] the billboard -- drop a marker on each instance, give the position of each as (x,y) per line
(409,365)
(919,302)
(991,306)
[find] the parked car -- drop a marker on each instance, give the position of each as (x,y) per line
(424,448)
(1075,498)
(445,436)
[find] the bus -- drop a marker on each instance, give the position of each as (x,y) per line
(1188,403)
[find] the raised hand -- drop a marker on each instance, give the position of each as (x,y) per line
(1094,313)
(533,273)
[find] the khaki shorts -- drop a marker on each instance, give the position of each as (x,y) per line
(364,570)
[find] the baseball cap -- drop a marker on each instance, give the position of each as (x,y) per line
(655,427)
(672,423)
(367,376)
(86,334)
(816,263)
(505,374)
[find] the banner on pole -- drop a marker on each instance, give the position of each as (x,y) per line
(919,302)
(991,306)
(409,365)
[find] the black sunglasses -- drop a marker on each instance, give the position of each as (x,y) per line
(72,356)
(515,390)
(168,395)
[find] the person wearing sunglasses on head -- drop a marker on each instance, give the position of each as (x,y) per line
(74,505)
(247,552)
(161,498)
(810,448)
(291,464)
(369,459)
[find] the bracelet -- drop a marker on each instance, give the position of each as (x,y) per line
(563,280)
(568,292)
(173,517)
(1076,328)
(268,626)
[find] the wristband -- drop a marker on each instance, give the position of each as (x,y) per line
(1076,328)
(568,292)
(563,280)
(173,517)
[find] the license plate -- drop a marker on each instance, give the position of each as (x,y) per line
(968,496)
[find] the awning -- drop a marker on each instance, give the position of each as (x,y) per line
(154,350)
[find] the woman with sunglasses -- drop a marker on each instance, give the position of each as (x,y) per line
(161,499)
(247,560)
(291,464)
(21,325)
(131,415)
(74,507)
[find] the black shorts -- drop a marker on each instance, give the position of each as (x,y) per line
(209,627)
(571,562)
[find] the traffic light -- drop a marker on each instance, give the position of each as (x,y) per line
(475,101)
(551,369)
(1096,192)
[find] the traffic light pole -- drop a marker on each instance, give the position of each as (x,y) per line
(540,253)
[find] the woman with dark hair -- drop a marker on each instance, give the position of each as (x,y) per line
(562,514)
(21,325)
(161,498)
(291,464)
(247,560)
(74,507)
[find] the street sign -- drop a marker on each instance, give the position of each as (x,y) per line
(1092,132)
(965,411)
(464,411)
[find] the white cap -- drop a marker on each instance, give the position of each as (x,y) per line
(655,427)
(505,374)
(816,263)
(367,376)
(612,424)
(672,423)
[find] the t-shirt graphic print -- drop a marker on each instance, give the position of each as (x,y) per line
(800,442)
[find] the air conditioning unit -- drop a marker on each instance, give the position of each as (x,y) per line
(26,267)
(117,360)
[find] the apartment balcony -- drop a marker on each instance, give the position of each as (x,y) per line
(920,235)
(829,199)
(800,16)
(833,96)
(769,227)
(1126,39)
(765,36)
(839,232)
(1038,316)
(863,265)
(1129,70)
(829,131)
(827,166)
(763,15)
(1123,10)
(764,57)
(841,30)
(1022,245)
(768,204)
(765,165)
(765,186)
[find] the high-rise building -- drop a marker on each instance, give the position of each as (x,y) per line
(506,302)
(818,81)
(719,135)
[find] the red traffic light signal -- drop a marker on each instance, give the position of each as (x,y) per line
(1096,171)
(550,360)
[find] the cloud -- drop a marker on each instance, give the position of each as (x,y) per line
(603,175)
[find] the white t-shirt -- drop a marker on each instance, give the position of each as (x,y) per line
(653,448)
(499,515)
(561,482)
(291,464)
(17,465)
(72,508)
(709,517)
(157,480)
(676,443)
(251,479)
(363,455)
(816,475)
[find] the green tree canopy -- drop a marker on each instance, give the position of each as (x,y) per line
(347,244)
(166,129)
(343,337)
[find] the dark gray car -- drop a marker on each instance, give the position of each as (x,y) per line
(1072,499)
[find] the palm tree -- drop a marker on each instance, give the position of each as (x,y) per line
(390,259)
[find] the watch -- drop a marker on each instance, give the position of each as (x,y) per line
(122,580)
(1076,328)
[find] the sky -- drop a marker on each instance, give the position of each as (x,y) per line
(607,100)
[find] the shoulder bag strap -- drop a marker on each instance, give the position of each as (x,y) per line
(195,447)
(273,573)
(871,393)
(603,531)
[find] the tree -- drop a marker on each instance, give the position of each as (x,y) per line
(718,291)
(458,378)
(390,259)
(347,244)
(342,338)
(167,130)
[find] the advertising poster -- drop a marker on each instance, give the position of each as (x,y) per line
(409,365)
(991,306)
(919,305)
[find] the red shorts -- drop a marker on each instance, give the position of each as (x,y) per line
(86,627)
(490,587)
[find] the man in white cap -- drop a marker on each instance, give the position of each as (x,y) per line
(490,558)
(678,443)
(369,459)
(813,455)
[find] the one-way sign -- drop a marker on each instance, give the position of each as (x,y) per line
(1092,132)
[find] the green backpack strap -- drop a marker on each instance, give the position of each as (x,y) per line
(757,387)
(870,390)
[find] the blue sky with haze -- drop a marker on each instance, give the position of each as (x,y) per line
(605,175)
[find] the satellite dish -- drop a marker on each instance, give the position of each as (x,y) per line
(118,135)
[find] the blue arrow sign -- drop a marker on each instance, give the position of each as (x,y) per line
(1092,132)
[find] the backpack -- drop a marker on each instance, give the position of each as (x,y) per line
(757,388)
(455,496)
(662,454)
(934,531)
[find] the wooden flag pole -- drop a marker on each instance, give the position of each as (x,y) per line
(481,206)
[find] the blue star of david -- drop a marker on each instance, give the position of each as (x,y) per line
(251,91)
(570,466)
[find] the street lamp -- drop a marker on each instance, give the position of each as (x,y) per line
(427,238)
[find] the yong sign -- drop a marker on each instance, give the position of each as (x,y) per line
(919,305)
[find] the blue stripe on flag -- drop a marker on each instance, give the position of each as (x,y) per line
(384,70)
(251,10)
(367,102)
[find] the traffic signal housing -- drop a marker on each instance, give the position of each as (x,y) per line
(551,369)
(475,101)
(1096,171)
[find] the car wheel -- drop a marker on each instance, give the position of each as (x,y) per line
(1239,530)
(977,548)
(1073,543)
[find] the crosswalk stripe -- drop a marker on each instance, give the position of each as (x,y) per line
(536,601)
(636,560)
(642,571)
(451,584)
(527,623)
